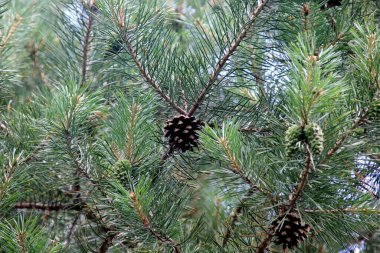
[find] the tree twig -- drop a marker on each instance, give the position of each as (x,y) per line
(144,73)
(344,210)
(360,119)
(86,46)
(223,60)
(146,223)
(236,169)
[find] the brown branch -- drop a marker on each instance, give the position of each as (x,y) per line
(360,119)
(145,221)
(344,210)
(21,239)
(47,206)
(72,228)
(236,168)
(222,62)
(107,243)
(234,217)
(365,185)
(255,130)
(293,198)
(146,76)
(86,45)
(16,23)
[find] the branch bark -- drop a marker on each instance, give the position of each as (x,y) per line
(146,223)
(145,74)
(86,46)
(360,119)
(222,62)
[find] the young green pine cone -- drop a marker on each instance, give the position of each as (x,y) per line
(374,111)
(293,136)
(120,170)
(314,136)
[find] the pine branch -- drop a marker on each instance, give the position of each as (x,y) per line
(345,210)
(360,119)
(233,218)
(366,185)
(236,168)
(293,198)
(146,76)
(107,242)
(16,23)
(222,62)
(21,239)
(146,223)
(72,227)
(86,45)
(47,206)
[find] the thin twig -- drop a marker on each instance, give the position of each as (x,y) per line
(147,225)
(86,47)
(146,76)
(344,210)
(360,119)
(107,242)
(16,23)
(71,230)
(234,217)
(222,62)
(236,168)
(46,206)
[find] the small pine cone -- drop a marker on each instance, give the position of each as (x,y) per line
(331,4)
(289,230)
(293,135)
(121,169)
(374,110)
(314,136)
(182,132)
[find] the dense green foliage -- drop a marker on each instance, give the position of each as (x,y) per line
(287,93)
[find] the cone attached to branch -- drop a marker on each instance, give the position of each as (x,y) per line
(182,132)
(290,231)
(296,135)
(314,136)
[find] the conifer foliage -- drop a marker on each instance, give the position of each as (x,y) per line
(189,126)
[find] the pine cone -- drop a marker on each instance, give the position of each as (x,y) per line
(314,136)
(121,169)
(182,132)
(289,230)
(293,135)
(331,4)
(374,111)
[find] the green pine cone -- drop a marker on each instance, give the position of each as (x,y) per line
(374,111)
(120,169)
(314,136)
(292,137)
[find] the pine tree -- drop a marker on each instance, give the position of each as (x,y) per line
(189,126)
